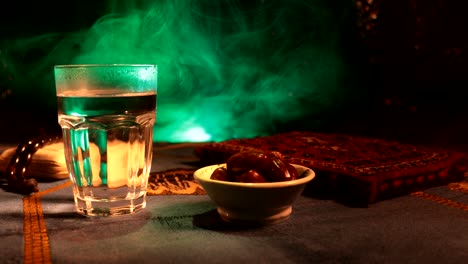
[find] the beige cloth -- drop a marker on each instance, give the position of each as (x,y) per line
(47,164)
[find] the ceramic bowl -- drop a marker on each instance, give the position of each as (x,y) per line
(255,203)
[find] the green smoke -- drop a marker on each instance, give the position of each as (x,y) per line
(227,69)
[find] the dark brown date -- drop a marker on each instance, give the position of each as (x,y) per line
(256,167)
(251,176)
(269,165)
(292,172)
(277,154)
(220,174)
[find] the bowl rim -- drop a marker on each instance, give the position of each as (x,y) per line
(309,175)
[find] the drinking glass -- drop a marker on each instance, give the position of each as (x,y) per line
(107,113)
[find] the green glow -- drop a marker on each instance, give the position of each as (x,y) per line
(194,134)
(225,69)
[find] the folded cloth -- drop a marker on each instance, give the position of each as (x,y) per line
(355,170)
(47,164)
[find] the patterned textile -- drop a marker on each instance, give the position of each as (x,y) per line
(175,181)
(354,170)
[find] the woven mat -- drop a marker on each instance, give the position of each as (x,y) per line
(174,181)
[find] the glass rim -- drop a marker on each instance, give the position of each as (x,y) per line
(103,65)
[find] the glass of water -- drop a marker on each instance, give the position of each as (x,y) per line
(107,113)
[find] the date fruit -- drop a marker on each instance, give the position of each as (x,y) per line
(220,174)
(256,167)
(251,176)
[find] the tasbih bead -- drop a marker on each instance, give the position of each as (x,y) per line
(19,163)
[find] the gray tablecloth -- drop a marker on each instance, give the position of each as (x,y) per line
(424,227)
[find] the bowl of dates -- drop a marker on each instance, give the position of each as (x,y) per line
(254,187)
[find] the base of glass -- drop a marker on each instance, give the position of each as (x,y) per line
(90,207)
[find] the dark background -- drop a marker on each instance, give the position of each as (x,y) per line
(31,18)
(26,115)
(408,63)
